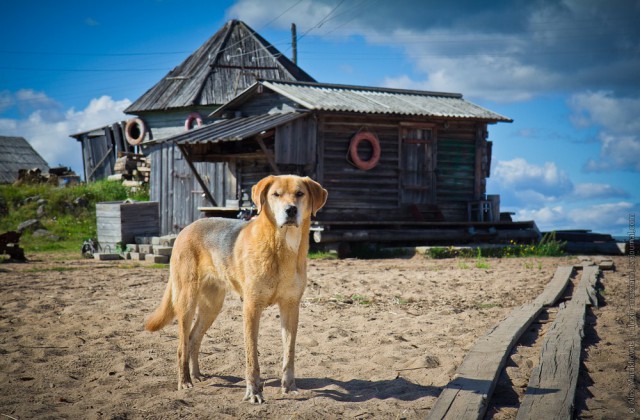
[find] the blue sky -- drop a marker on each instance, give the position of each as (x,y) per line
(566,71)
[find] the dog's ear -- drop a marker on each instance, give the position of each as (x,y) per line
(318,195)
(259,191)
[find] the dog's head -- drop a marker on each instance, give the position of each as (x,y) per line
(288,199)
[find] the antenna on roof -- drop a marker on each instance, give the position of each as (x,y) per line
(294,44)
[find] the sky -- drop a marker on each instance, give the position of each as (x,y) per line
(566,71)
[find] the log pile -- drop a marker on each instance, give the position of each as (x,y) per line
(132,169)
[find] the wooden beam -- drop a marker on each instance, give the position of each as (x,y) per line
(552,387)
(204,186)
(467,395)
(269,155)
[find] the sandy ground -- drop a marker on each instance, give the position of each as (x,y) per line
(377,339)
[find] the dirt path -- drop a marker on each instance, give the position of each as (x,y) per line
(378,339)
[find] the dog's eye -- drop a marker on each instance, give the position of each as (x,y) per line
(299,194)
(276,194)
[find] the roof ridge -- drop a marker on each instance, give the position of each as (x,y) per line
(364,88)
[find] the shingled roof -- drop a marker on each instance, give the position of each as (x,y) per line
(225,65)
(16,153)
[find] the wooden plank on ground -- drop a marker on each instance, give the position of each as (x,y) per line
(552,386)
(467,395)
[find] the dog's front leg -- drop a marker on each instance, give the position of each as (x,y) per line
(252,313)
(289,313)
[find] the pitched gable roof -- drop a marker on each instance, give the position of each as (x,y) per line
(225,65)
(16,153)
(369,100)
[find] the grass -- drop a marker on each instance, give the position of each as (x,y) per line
(70,224)
(481,262)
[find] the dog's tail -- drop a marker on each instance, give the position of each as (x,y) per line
(164,314)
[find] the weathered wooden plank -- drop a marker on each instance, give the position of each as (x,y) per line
(467,395)
(552,387)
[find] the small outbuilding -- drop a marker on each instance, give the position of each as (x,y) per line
(15,154)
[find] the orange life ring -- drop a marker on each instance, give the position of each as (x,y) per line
(194,116)
(135,131)
(371,138)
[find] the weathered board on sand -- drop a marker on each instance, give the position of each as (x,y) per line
(467,395)
(552,386)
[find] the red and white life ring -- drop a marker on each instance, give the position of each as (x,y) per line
(135,131)
(372,139)
(193,117)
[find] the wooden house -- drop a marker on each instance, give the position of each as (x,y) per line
(225,65)
(398,164)
(15,154)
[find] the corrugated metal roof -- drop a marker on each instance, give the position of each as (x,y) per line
(371,100)
(217,71)
(234,129)
(16,153)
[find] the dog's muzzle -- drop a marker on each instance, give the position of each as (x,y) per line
(292,215)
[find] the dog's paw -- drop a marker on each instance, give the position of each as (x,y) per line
(199,377)
(289,387)
(185,385)
(254,394)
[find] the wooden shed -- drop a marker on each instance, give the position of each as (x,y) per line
(417,171)
(15,154)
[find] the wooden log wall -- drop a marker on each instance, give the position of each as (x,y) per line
(377,194)
(353,192)
(456,169)
(175,187)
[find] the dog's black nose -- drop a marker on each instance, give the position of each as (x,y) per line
(291,211)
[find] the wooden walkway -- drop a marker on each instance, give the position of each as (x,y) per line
(467,395)
(552,386)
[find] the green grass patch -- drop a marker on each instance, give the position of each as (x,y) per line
(69,223)
(322,255)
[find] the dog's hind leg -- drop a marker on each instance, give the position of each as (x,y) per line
(187,309)
(289,313)
(209,306)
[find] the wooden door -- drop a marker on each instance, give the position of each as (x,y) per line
(417,165)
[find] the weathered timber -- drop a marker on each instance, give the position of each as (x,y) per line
(552,387)
(467,395)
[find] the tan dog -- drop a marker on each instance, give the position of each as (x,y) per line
(264,260)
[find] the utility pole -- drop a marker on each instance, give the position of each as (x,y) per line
(294,44)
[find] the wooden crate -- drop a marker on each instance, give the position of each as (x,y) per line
(121,222)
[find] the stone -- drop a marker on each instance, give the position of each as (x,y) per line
(41,211)
(106,256)
(168,240)
(162,250)
(157,259)
(29,225)
(131,248)
(137,256)
(41,202)
(155,240)
(146,249)
(143,240)
(43,233)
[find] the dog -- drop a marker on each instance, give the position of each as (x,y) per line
(263,260)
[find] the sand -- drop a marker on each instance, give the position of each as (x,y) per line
(377,339)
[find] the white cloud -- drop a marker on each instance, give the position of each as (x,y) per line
(587,191)
(538,47)
(605,218)
(618,124)
(48,129)
(528,181)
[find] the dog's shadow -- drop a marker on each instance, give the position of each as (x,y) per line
(354,390)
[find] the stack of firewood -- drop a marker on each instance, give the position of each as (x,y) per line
(132,169)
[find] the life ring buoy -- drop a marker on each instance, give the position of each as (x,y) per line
(135,131)
(372,139)
(194,116)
